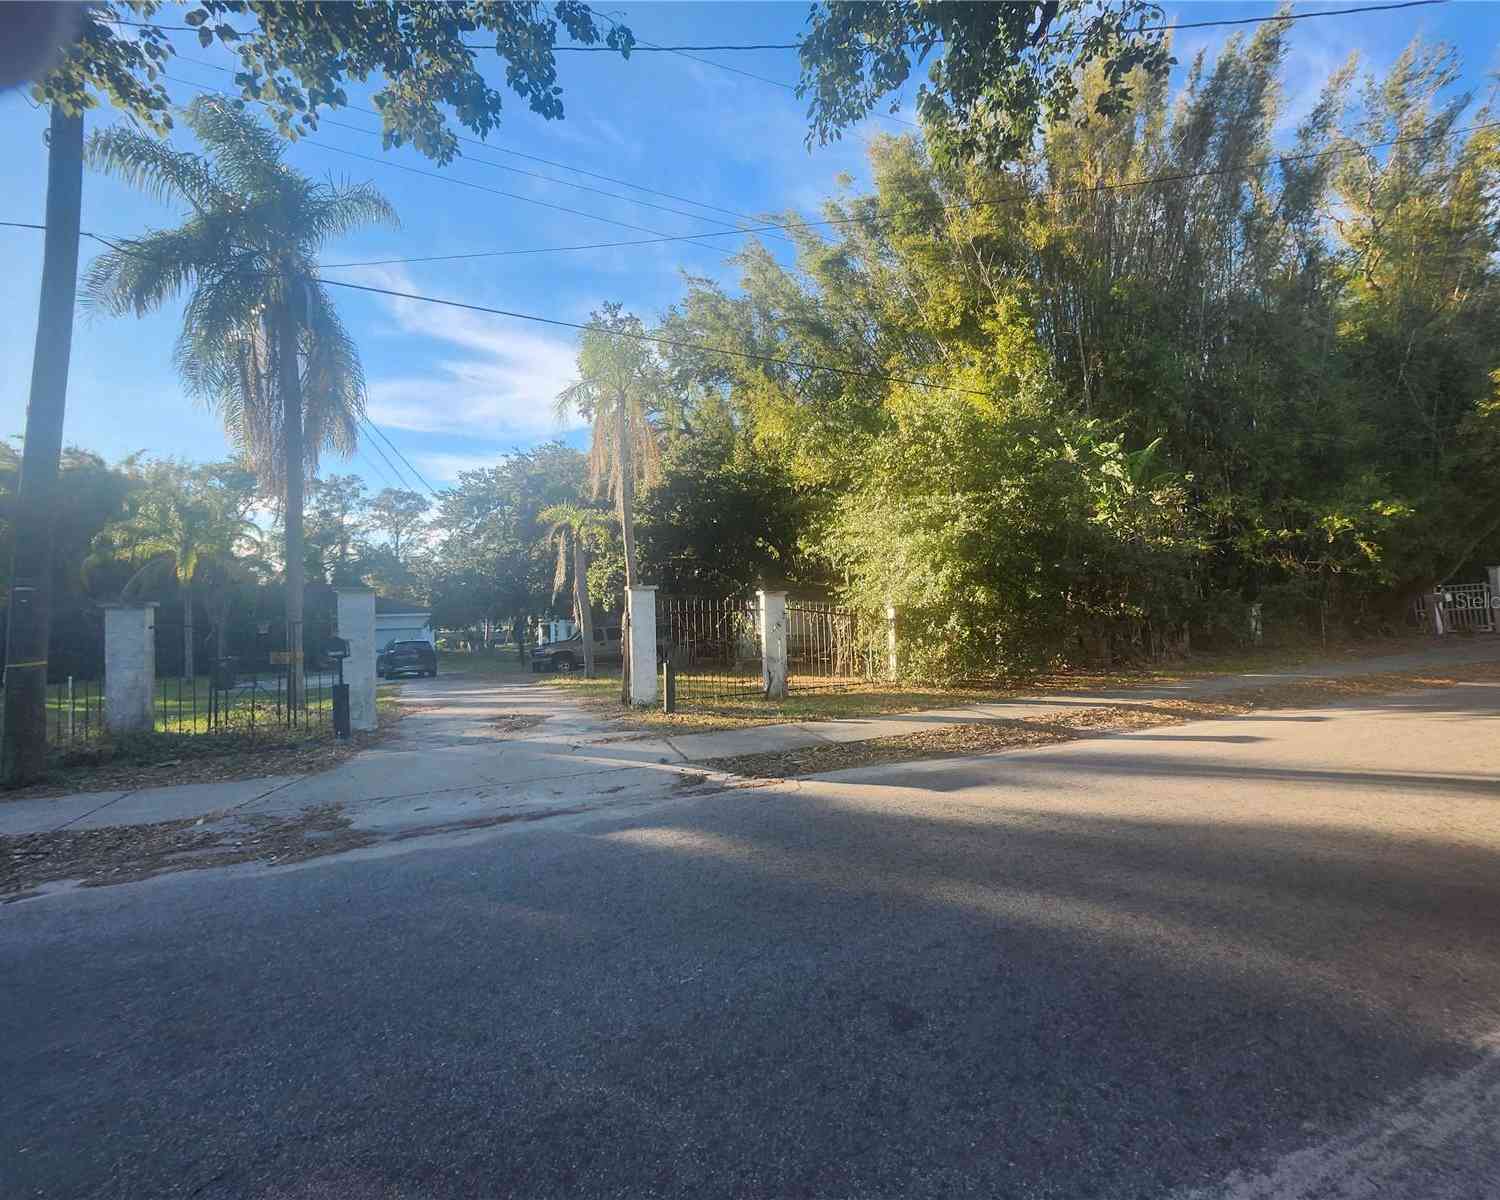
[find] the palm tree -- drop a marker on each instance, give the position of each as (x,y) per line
(260,343)
(618,391)
(183,520)
(572,525)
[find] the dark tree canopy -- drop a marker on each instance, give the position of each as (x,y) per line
(998,70)
(296,58)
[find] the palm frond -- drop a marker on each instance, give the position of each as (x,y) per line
(340,208)
(151,165)
(245,153)
(333,381)
(143,273)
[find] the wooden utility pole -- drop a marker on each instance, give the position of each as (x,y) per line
(29,619)
(295,459)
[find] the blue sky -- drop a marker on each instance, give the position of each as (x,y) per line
(455,390)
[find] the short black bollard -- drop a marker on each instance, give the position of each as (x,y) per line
(341,710)
(668,687)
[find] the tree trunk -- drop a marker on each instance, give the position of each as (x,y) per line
(581,601)
(188,671)
(221,630)
(24,748)
(293,462)
(625,491)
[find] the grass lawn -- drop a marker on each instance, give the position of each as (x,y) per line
(488,664)
(184,706)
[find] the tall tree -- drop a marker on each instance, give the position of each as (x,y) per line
(997,70)
(619,391)
(1255,381)
(336,518)
(490,535)
(571,528)
(295,58)
(260,342)
(184,523)
(400,515)
(23,753)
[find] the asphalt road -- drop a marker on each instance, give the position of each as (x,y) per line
(1253,958)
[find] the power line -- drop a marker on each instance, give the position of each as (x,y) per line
(379,470)
(646,47)
(426,258)
(455,181)
(550,162)
(749,356)
(400,480)
(1304,16)
(577,212)
(686,51)
(642,47)
(397,450)
(961,205)
(497,165)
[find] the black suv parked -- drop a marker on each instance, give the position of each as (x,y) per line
(405,658)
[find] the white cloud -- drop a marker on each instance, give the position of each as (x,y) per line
(505,386)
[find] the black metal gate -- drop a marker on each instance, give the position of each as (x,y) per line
(823,648)
(258,690)
(713,646)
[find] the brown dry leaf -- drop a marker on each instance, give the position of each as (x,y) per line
(988,737)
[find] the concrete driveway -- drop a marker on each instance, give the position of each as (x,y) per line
(1245,958)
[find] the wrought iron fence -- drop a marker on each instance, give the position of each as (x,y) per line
(1468,606)
(235,699)
(714,647)
(230,696)
(75,711)
(824,648)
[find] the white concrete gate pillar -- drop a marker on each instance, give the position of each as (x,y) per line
(130,667)
(1439,626)
(356,625)
(892,663)
(773,656)
(641,602)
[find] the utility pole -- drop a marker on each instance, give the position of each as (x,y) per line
(290,319)
(29,620)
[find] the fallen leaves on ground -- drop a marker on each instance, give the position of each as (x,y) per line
(515,722)
(122,853)
(991,736)
(165,760)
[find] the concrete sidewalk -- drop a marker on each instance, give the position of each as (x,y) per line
(452,764)
(699,747)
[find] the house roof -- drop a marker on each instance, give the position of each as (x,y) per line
(400,604)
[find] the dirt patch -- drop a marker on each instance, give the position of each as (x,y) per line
(987,737)
(514,722)
(123,853)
